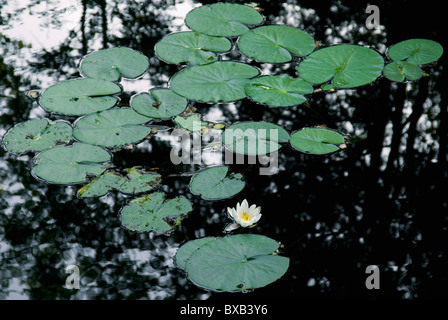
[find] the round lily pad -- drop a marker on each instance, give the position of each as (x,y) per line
(191,47)
(278,91)
(158,103)
(236,263)
(317,141)
(80,96)
(70,164)
(216,183)
(222,19)
(151,212)
(222,81)
(401,70)
(275,43)
(346,65)
(112,128)
(36,135)
(185,251)
(114,63)
(254,138)
(416,51)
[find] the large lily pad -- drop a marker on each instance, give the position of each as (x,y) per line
(401,70)
(80,96)
(191,47)
(317,141)
(114,63)
(112,128)
(221,81)
(275,43)
(36,135)
(151,212)
(278,91)
(222,19)
(70,164)
(136,180)
(158,103)
(254,138)
(416,51)
(215,183)
(346,65)
(234,263)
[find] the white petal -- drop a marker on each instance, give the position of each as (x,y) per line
(256,218)
(231,227)
(244,205)
(231,212)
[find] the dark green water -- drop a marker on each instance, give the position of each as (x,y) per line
(381,202)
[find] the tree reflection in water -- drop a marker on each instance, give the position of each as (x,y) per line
(382,201)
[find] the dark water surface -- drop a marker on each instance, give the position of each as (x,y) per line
(381,202)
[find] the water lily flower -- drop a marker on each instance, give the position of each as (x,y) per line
(243,215)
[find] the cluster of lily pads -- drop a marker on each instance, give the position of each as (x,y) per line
(81,152)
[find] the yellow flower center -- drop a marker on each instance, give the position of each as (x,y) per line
(245,216)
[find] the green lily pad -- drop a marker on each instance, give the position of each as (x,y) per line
(236,263)
(184,252)
(278,91)
(215,183)
(400,70)
(114,63)
(275,43)
(416,51)
(136,180)
(191,47)
(112,128)
(346,65)
(70,164)
(158,103)
(80,96)
(254,138)
(36,135)
(151,212)
(222,19)
(222,81)
(191,122)
(317,141)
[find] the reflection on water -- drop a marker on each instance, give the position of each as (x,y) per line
(381,202)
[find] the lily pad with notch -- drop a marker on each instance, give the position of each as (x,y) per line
(317,141)
(399,71)
(222,81)
(346,65)
(278,91)
(416,51)
(254,138)
(223,19)
(36,135)
(114,63)
(234,263)
(80,96)
(191,47)
(151,212)
(216,183)
(159,103)
(112,128)
(70,164)
(275,43)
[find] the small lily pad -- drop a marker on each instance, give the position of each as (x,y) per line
(70,164)
(158,103)
(416,51)
(114,63)
(275,43)
(222,19)
(401,70)
(278,91)
(233,263)
(80,96)
(191,47)
(112,128)
(151,212)
(215,183)
(254,138)
(317,141)
(222,81)
(36,135)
